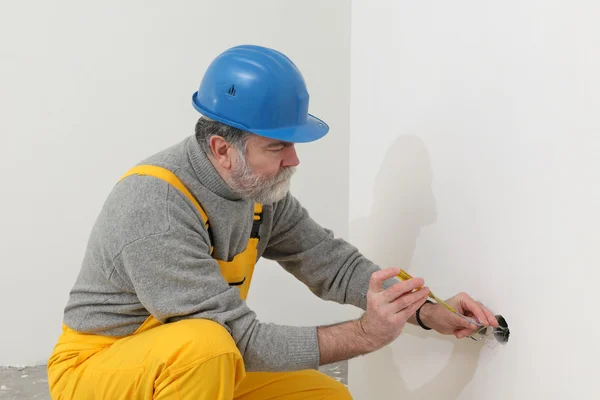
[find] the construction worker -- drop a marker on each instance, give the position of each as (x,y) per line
(158,310)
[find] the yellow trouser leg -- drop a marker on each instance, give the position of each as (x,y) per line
(189,359)
(299,385)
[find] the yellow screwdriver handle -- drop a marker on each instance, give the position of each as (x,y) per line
(406,276)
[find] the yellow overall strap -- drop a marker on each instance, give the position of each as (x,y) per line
(171,178)
(256,220)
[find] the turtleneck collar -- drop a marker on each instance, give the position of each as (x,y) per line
(206,172)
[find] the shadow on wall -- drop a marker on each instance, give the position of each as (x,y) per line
(403,204)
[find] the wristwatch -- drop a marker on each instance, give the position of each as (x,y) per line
(419,317)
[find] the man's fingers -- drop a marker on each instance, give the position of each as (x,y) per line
(400,288)
(377,278)
(412,308)
(409,299)
(473,307)
(462,333)
(490,317)
(466,324)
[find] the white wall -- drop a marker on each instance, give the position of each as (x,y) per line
(475,164)
(90,88)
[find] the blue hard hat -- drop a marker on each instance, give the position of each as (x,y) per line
(258,90)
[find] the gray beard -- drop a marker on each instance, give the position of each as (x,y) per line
(258,188)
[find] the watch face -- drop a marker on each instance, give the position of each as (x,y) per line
(502,332)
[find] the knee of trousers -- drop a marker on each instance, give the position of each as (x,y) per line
(330,388)
(194,340)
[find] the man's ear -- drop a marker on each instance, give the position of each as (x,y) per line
(221,150)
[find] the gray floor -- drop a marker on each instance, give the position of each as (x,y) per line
(23,383)
(32,383)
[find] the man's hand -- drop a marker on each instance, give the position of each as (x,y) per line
(387,313)
(445,322)
(388,310)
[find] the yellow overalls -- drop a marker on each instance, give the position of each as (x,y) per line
(189,359)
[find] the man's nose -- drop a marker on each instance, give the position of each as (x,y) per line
(290,158)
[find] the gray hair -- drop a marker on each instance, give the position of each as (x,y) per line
(206,128)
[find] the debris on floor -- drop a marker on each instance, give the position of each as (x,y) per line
(24,383)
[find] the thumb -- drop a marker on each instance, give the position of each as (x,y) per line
(461,333)
(464,323)
(464,328)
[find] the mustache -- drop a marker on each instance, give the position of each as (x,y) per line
(284,174)
(259,187)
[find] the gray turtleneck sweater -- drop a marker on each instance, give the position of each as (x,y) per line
(148,253)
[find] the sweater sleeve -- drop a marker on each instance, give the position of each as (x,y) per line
(174,277)
(330,267)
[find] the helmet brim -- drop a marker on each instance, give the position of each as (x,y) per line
(314,129)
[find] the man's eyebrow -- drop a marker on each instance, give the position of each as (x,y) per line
(279,144)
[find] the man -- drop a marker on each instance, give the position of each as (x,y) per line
(158,309)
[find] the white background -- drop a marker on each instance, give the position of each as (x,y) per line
(91,88)
(475,164)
